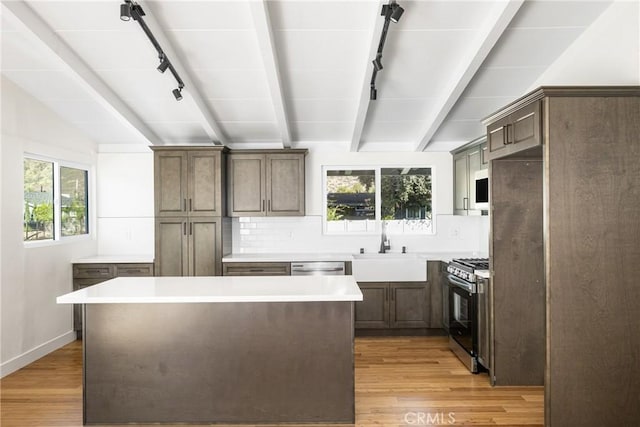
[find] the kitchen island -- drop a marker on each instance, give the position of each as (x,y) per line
(218,349)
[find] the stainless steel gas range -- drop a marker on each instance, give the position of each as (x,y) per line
(468,311)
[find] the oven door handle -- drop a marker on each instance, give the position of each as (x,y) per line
(469,287)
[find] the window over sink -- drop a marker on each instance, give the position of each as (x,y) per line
(358,199)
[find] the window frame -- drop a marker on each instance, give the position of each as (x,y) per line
(57,202)
(378,196)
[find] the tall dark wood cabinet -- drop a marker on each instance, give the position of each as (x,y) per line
(266,183)
(190,229)
(565,258)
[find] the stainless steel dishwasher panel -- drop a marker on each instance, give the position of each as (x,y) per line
(317,268)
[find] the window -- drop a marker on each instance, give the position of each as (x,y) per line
(358,199)
(351,200)
(55,200)
(73,200)
(38,200)
(406,199)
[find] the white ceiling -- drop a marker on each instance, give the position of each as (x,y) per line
(283,72)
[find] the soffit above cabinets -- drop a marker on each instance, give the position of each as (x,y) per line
(278,72)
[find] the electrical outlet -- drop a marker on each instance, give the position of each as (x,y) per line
(454,233)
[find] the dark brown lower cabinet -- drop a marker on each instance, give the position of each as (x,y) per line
(85,275)
(395,305)
(373,310)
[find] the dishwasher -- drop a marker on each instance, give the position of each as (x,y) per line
(317,268)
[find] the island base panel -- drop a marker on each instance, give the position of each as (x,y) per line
(219,363)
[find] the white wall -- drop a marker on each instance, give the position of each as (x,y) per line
(125,207)
(125,200)
(32,277)
(611,43)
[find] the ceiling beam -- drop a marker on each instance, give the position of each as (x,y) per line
(365,91)
(206,119)
(266,41)
(491,34)
(99,90)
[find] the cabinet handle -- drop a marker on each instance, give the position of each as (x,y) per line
(263,205)
(393,295)
(190,208)
(133,270)
(256,270)
(505,136)
(465,203)
(184,228)
(190,228)
(507,130)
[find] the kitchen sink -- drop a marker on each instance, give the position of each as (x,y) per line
(389,267)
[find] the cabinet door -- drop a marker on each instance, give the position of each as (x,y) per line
(409,305)
(474,162)
(461,184)
(171,258)
(170,176)
(515,133)
(204,252)
(373,310)
(434,271)
(285,184)
(444,285)
(246,176)
(204,186)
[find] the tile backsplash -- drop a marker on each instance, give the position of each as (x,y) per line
(304,235)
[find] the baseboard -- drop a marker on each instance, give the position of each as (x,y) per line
(32,355)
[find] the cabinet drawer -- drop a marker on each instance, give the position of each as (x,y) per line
(133,270)
(93,271)
(256,269)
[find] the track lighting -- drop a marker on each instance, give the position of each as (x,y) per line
(129,9)
(392,13)
(125,11)
(178,93)
(164,64)
(397,12)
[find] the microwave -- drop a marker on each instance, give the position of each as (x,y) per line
(482,190)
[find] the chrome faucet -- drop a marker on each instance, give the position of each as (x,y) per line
(385,244)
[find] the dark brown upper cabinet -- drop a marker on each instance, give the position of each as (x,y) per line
(188,181)
(266,183)
(515,133)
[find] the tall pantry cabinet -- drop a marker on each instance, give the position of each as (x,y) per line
(191,233)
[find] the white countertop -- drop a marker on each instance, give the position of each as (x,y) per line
(217,289)
(344,256)
(114,259)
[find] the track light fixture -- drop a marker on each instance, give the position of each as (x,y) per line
(164,64)
(177,93)
(392,13)
(377,63)
(129,9)
(125,11)
(396,13)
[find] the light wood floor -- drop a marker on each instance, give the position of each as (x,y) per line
(399,382)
